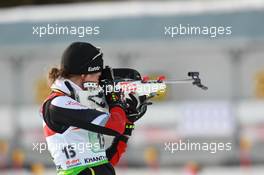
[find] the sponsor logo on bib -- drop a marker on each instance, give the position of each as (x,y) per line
(94,159)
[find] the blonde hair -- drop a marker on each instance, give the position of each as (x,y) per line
(56,73)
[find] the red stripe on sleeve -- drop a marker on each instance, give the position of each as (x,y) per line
(48,132)
(117,120)
(121,148)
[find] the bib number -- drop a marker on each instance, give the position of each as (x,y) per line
(69,152)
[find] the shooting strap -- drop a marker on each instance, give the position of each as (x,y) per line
(72,91)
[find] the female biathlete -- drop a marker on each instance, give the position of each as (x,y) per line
(68,124)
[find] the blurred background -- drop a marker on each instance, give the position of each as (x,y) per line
(133,34)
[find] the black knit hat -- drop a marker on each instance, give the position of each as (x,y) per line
(82,58)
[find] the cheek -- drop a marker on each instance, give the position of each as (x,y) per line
(92,78)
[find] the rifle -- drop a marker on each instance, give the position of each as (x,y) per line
(129,81)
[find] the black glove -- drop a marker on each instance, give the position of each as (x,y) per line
(114,99)
(136,107)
